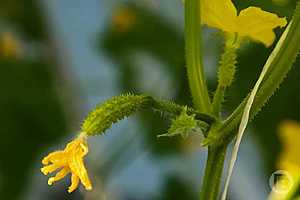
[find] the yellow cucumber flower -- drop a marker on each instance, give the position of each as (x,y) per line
(290,136)
(289,161)
(123,19)
(70,160)
(251,22)
(10,46)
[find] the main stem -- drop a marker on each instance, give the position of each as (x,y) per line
(193,56)
(216,154)
(213,172)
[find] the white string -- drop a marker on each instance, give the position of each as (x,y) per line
(246,112)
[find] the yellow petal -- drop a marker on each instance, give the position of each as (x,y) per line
(74,183)
(60,175)
(56,156)
(49,169)
(77,166)
(220,14)
(86,182)
(290,135)
(258,25)
(72,145)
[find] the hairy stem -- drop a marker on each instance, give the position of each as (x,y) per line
(213,172)
(176,109)
(218,100)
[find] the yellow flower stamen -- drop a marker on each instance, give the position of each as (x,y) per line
(251,22)
(70,160)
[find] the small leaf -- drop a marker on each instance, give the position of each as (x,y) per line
(183,125)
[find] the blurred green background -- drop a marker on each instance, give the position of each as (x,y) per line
(60,58)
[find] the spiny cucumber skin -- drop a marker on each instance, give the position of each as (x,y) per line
(111,111)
